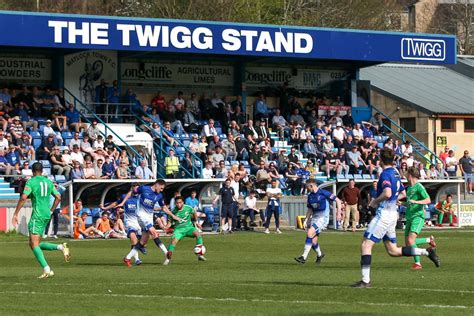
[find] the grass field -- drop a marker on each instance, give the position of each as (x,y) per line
(246,273)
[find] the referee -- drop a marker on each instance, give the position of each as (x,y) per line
(227,196)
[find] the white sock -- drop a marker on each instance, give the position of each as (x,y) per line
(420,252)
(366,274)
(101,234)
(60,247)
(47,269)
(136,257)
(427,240)
(307,249)
(132,253)
(318,250)
(163,248)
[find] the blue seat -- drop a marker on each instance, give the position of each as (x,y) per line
(180,151)
(223,136)
(60,178)
(357,177)
(36,142)
(47,171)
(66,135)
(245,163)
(234,162)
(350,176)
(340,177)
(45,163)
(35,134)
(219,130)
(366,177)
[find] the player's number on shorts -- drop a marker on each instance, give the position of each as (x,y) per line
(44,189)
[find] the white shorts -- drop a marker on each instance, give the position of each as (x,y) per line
(382,227)
(132,226)
(145,220)
(317,223)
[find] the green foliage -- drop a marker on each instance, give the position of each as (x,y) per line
(246,274)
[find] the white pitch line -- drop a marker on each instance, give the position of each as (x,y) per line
(266,285)
(239,300)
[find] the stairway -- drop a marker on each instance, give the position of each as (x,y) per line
(7,192)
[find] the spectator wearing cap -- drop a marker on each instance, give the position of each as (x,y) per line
(76,155)
(46,147)
(93,131)
(16,129)
(27,151)
(73,118)
(338,135)
(60,167)
(48,130)
(143,172)
(22,113)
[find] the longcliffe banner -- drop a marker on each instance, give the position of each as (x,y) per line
(136,34)
(177,74)
(28,69)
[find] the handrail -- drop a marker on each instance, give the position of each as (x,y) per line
(76,100)
(193,155)
(163,151)
(402,137)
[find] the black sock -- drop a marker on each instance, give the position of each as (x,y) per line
(365,260)
(407,251)
(157,241)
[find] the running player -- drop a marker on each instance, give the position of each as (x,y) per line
(315,219)
(132,228)
(39,189)
(149,199)
(185,227)
(382,226)
(417,197)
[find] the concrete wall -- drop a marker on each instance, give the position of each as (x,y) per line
(457,141)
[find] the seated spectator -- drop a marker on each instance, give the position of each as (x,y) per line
(98,143)
(194,203)
(357,132)
(89,170)
(348,120)
(86,146)
(77,172)
(193,105)
(169,115)
(221,170)
(218,156)
(255,159)
(319,130)
(16,129)
(189,121)
(158,102)
(336,119)
(445,208)
(250,208)
(93,131)
(373,163)
(407,148)
(80,230)
(273,171)
(262,131)
(422,171)
(46,147)
(5,166)
(143,172)
(122,171)
(60,167)
(27,150)
(293,181)
(76,155)
(229,148)
(403,170)
(209,130)
(263,178)
(296,117)
(332,165)
(377,124)
(328,146)
(123,157)
(338,135)
(356,163)
(57,116)
(73,118)
(295,134)
(250,131)
(207,172)
(343,161)
(13,159)
(108,168)
(75,141)
(48,131)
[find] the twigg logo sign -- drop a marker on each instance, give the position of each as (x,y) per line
(423,49)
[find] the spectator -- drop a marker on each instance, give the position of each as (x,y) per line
(373,163)
(77,172)
(227,196)
(234,128)
(357,133)
(209,131)
(158,102)
(170,116)
(75,141)
(407,148)
(250,208)
(432,173)
(443,155)
(221,170)
(297,118)
(328,146)
(98,143)
(261,108)
(60,167)
(465,164)
(274,195)
(93,131)
(86,146)
(143,172)
(403,170)
(48,130)
(229,148)
(239,117)
(338,135)
(89,171)
(263,178)
(272,171)
(207,172)
(122,171)
(67,156)
(293,182)
(73,118)
(255,159)
(189,121)
(27,150)
(218,156)
(80,230)
(332,165)
(193,105)
(356,163)
(451,164)
(46,147)
(249,130)
(16,129)
(262,131)
(445,208)
(76,155)
(352,199)
(103,225)
(172,165)
(343,161)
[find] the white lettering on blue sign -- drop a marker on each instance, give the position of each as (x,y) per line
(423,49)
(89,33)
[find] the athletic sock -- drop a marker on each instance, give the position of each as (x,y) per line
(132,253)
(171,247)
(160,245)
(307,247)
(47,269)
(440,218)
(198,240)
(317,249)
(40,257)
(48,246)
(450,218)
(410,252)
(135,257)
(365,261)
(421,241)
(416,258)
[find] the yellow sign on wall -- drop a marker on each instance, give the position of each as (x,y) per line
(441,141)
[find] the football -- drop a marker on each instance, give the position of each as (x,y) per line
(200,250)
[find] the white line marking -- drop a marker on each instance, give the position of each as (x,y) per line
(240,300)
(261,285)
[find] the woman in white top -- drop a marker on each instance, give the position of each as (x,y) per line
(274,195)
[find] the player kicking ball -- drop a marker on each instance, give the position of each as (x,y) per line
(150,198)
(39,189)
(382,226)
(417,197)
(317,199)
(185,228)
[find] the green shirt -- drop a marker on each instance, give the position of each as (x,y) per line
(39,189)
(187,213)
(416,192)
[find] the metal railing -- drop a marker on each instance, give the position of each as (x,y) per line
(403,135)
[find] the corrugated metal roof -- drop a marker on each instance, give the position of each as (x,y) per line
(435,89)
(468,60)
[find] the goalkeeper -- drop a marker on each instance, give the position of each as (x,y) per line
(185,228)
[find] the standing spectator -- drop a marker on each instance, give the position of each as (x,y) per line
(261,108)
(443,155)
(451,164)
(171,165)
(352,199)
(193,105)
(227,196)
(274,195)
(143,172)
(465,164)
(158,102)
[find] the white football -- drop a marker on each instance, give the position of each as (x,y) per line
(200,250)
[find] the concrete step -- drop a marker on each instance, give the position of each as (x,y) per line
(9,196)
(7,190)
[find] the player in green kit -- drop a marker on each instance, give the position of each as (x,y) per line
(417,197)
(185,228)
(39,189)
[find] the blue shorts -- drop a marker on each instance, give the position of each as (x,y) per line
(469,177)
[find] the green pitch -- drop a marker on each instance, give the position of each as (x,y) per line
(246,274)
